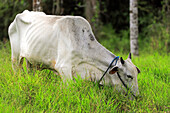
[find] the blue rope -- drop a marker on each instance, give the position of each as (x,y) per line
(116,58)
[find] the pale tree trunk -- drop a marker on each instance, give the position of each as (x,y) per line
(134,27)
(36,5)
(57,7)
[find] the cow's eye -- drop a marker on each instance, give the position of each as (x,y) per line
(129,76)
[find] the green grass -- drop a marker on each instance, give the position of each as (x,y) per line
(45,92)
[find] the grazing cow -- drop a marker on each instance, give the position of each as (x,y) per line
(67,45)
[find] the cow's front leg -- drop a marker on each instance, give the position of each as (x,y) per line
(65,73)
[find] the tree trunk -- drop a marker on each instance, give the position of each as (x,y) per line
(36,5)
(57,7)
(134,27)
(91,13)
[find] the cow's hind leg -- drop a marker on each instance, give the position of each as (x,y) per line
(29,66)
(15,63)
(21,60)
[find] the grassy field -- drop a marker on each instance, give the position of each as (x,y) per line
(45,92)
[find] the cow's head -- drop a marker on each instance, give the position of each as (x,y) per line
(128,72)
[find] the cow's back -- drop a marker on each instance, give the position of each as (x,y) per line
(42,38)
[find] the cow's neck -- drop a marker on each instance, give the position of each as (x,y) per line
(97,59)
(103,57)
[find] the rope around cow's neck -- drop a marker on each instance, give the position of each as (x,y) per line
(116,58)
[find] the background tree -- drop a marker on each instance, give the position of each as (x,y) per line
(57,7)
(36,5)
(134,27)
(8,10)
(113,16)
(92,13)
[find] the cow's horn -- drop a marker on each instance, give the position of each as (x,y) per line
(121,60)
(130,56)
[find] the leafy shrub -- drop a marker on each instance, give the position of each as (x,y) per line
(8,11)
(114,41)
(159,37)
(159,31)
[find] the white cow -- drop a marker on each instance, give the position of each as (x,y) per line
(67,45)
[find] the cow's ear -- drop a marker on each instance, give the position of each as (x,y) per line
(113,70)
(121,60)
(138,69)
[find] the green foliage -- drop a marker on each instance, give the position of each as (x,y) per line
(114,41)
(156,35)
(159,37)
(8,11)
(43,91)
(146,13)
(154,29)
(115,13)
